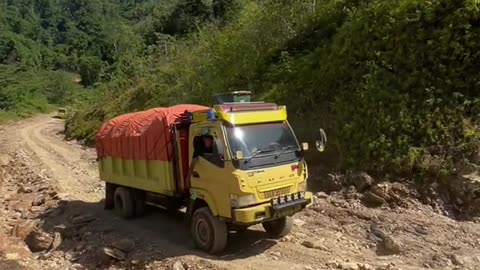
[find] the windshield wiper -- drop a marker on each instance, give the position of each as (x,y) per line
(259,151)
(284,149)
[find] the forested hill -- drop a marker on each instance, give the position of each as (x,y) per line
(47,45)
(394,82)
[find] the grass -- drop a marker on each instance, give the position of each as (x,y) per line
(7,117)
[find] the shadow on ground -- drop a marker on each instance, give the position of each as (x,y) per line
(157,236)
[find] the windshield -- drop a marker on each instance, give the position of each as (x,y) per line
(261,139)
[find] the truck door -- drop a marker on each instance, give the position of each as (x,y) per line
(208,176)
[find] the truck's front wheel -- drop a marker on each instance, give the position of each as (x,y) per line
(124,204)
(209,233)
(279,227)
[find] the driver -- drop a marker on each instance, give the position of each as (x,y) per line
(203,148)
(206,147)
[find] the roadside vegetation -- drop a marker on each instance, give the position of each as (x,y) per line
(394,83)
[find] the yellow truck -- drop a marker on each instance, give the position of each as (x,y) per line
(231,166)
(61,113)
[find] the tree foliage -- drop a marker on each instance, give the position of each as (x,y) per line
(393,81)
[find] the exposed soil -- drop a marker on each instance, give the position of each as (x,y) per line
(52,217)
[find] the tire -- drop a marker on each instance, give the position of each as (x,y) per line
(209,233)
(139,200)
(278,228)
(109,196)
(124,204)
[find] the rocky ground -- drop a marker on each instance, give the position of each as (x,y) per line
(51,217)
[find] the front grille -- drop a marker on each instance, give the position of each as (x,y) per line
(274,192)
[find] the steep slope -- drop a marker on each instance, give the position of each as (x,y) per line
(394,82)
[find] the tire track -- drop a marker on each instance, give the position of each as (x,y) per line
(62,166)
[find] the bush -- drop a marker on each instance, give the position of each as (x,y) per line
(394,82)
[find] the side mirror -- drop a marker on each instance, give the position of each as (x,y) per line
(322,141)
(304,146)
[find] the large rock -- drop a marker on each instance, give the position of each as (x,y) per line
(314,245)
(388,244)
(23,229)
(178,266)
(10,265)
(381,190)
(362,181)
(115,253)
(38,241)
(333,182)
(22,204)
(57,240)
(125,245)
(14,248)
(371,199)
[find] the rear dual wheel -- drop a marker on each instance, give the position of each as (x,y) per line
(128,202)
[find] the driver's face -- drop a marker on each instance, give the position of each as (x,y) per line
(208,142)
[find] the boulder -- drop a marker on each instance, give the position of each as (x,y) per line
(333,182)
(362,181)
(38,241)
(115,253)
(178,265)
(57,240)
(321,195)
(388,245)
(371,199)
(23,229)
(125,245)
(381,190)
(13,248)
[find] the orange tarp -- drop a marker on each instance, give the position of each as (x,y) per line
(142,135)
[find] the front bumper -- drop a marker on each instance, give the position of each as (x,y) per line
(264,212)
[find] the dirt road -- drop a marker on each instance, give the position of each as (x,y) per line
(55,183)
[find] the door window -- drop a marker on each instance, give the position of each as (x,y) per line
(209,146)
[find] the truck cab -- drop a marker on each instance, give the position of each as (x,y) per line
(254,171)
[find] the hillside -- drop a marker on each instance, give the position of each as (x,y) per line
(393,82)
(46,44)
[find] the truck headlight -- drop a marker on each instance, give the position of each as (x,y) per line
(242,201)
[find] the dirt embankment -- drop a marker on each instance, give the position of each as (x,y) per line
(52,217)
